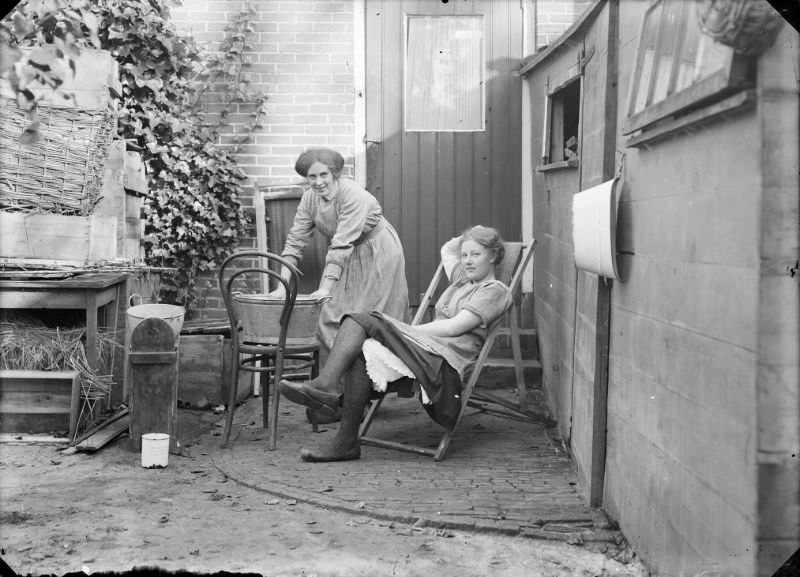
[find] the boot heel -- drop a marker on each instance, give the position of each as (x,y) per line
(312,416)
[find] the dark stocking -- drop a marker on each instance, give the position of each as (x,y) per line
(346,348)
(346,444)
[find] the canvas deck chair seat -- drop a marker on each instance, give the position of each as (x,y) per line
(510,271)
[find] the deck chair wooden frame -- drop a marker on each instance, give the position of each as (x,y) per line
(518,256)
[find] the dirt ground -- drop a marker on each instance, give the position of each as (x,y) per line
(104,513)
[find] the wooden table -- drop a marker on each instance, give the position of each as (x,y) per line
(89,292)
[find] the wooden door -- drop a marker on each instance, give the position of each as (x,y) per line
(435,175)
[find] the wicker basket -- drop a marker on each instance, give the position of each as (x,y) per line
(62,172)
(260,314)
(747,26)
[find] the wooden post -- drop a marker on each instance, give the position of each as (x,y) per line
(153,362)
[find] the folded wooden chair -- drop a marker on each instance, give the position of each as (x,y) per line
(518,256)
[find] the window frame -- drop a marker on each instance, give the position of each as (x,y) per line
(483,73)
(732,77)
(560,83)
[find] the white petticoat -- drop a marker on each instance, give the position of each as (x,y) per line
(383,367)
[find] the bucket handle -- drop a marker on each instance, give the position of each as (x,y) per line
(135,299)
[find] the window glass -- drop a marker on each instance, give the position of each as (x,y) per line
(647,51)
(444,73)
(677,66)
(666,51)
(688,69)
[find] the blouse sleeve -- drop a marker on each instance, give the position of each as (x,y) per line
(451,260)
(489,301)
(302,229)
(352,212)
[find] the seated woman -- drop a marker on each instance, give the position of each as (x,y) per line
(436,353)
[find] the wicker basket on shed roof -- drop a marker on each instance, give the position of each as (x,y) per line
(62,172)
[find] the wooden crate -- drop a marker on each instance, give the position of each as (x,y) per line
(123,192)
(58,237)
(94,85)
(39,401)
(204,371)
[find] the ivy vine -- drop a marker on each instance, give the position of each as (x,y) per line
(176,103)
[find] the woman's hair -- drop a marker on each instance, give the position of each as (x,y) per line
(488,238)
(330,158)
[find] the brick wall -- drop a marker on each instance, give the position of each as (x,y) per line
(553,17)
(303,59)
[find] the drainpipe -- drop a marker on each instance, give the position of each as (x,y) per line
(525,145)
(359,95)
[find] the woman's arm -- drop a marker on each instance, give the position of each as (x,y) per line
(458,325)
(352,209)
(302,229)
(451,259)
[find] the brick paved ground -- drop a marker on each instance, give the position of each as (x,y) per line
(500,474)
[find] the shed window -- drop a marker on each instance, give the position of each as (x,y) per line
(562,117)
(565,109)
(444,73)
(679,69)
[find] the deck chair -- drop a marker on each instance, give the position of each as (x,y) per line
(517,257)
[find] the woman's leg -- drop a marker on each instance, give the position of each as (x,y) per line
(323,391)
(346,349)
(346,445)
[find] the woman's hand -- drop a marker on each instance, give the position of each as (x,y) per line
(321,295)
(278,293)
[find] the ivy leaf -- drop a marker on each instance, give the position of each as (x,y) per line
(22,25)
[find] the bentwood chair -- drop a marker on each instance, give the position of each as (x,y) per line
(265,331)
(510,271)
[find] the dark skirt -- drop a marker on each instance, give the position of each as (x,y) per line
(440,381)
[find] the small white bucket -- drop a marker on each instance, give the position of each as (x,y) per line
(155,450)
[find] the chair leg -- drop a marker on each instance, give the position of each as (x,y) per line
(314,375)
(234,383)
(273,431)
(371,412)
(315,364)
(265,390)
(466,394)
(516,349)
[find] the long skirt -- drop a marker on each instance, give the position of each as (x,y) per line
(374,279)
(440,381)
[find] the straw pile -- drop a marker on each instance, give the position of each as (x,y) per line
(27,344)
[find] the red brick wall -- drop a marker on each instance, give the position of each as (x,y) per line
(303,59)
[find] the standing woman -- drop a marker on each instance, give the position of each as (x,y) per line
(365,266)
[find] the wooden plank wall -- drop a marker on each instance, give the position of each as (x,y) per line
(555,278)
(567,299)
(779,319)
(690,331)
(680,471)
(432,185)
(588,287)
